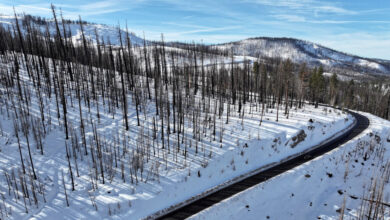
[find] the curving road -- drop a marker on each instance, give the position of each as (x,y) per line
(211,199)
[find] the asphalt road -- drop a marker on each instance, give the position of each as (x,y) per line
(211,199)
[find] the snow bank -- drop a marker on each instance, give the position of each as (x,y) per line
(317,189)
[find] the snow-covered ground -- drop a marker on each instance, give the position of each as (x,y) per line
(341,181)
(215,162)
(169,177)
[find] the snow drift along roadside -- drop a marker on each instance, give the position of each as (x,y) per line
(318,188)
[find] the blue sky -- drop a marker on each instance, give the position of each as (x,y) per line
(360,27)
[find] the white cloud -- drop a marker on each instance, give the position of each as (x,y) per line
(308,7)
(290,18)
(31,9)
(333,9)
(348,21)
(283,3)
(201,33)
(209,29)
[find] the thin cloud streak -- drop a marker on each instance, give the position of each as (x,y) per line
(301,19)
(306,6)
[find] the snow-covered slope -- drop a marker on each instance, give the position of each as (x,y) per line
(348,180)
(168,177)
(108,33)
(303,51)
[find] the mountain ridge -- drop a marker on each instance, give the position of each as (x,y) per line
(313,54)
(297,50)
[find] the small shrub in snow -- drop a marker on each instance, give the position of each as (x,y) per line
(298,138)
(330,175)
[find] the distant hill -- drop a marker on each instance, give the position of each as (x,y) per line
(105,32)
(299,51)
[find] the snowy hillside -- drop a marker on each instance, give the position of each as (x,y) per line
(168,175)
(350,181)
(300,51)
(108,33)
